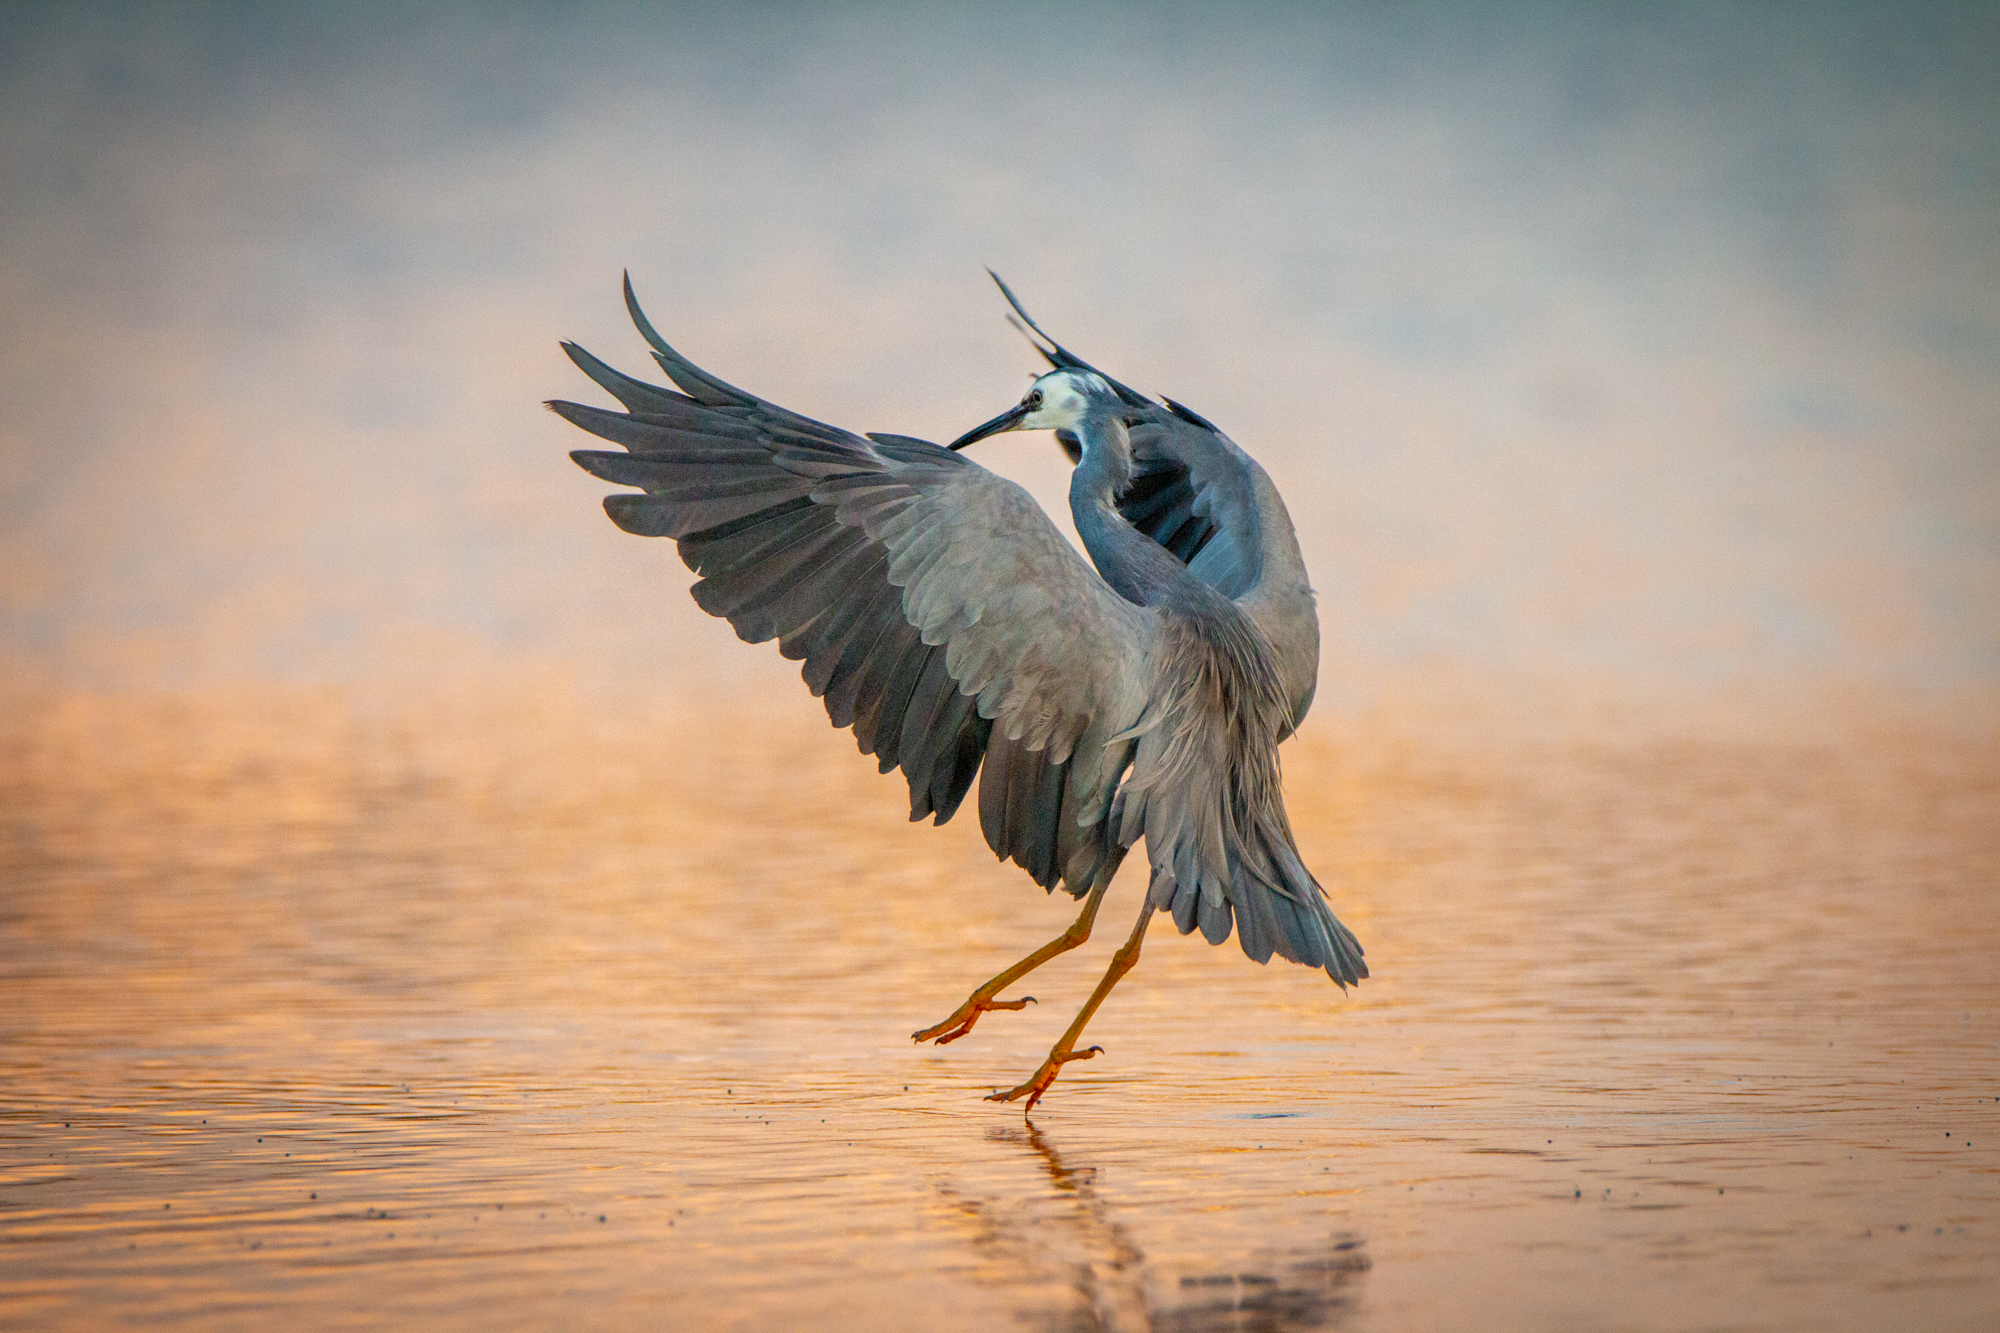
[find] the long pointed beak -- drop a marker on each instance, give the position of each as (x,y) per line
(1005,421)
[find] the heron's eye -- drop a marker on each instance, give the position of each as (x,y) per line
(1034,398)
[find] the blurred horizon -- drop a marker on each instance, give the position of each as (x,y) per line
(1651,354)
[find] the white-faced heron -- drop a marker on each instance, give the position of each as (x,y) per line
(943,617)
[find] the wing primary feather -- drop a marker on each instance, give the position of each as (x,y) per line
(811,600)
(692,380)
(919,743)
(944,742)
(746,594)
(993,793)
(710,391)
(878,676)
(641,435)
(830,634)
(1023,777)
(858,660)
(637,395)
(641,515)
(894,702)
(756,555)
(1044,826)
(650,472)
(972,733)
(713,548)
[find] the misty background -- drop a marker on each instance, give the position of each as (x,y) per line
(1652,351)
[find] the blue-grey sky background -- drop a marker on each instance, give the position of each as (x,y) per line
(1656,345)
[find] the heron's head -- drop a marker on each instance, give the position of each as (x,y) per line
(1059,401)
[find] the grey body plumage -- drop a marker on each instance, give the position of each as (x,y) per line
(942,616)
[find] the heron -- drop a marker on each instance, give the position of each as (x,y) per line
(941,615)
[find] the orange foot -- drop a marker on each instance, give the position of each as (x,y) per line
(1039,1084)
(968,1013)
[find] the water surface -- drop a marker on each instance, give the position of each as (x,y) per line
(506,1014)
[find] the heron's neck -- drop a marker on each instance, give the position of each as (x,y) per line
(1137,568)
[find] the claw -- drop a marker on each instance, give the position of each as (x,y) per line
(1044,1077)
(961,1022)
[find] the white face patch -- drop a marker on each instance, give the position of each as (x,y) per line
(1064,399)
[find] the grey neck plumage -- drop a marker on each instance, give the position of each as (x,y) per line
(1137,568)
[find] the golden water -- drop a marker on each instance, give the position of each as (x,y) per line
(502,1014)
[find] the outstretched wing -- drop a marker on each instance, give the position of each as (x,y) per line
(937,610)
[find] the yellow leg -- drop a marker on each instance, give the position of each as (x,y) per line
(982,999)
(1065,1050)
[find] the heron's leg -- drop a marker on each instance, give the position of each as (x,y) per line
(982,999)
(1065,1050)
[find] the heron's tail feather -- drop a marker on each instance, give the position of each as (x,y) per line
(1286,912)
(1204,792)
(1264,891)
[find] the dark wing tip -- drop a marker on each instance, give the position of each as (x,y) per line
(644,325)
(597,461)
(580,358)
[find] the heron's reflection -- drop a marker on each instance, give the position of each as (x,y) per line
(1085,1269)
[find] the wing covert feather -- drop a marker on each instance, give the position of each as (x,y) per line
(1027,627)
